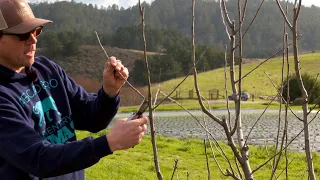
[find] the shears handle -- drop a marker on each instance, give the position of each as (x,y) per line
(134,115)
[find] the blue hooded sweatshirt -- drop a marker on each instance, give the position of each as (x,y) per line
(39,112)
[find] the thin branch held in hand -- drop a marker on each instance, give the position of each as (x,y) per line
(131,86)
(101,45)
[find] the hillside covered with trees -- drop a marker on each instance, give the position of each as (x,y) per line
(119,27)
(71,38)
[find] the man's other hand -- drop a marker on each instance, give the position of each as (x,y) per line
(126,134)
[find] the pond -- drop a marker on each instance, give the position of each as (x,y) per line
(181,125)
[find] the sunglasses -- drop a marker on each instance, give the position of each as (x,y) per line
(24,37)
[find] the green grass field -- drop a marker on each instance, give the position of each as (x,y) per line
(256,83)
(137,163)
(194,105)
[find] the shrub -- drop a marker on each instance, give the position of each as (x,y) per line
(311,84)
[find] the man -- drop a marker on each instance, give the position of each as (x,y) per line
(40,107)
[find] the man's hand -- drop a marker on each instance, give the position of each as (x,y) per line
(112,80)
(125,134)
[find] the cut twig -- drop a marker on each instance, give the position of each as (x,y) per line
(175,167)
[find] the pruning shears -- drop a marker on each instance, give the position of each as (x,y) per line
(143,107)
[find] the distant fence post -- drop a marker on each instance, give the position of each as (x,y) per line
(191,94)
(178,94)
(213,94)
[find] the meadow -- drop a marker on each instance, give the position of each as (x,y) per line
(137,163)
(256,83)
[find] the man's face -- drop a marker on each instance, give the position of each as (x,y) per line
(16,54)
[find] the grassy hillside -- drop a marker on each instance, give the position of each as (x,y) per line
(256,83)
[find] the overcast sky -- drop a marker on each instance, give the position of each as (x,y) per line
(128,3)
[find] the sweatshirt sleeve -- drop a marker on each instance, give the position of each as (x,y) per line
(24,148)
(90,111)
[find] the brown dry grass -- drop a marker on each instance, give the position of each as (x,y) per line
(128,96)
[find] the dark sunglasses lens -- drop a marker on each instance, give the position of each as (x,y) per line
(24,37)
(36,32)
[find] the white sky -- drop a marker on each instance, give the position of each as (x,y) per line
(128,3)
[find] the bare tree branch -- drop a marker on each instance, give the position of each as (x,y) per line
(175,167)
(274,85)
(259,167)
(255,123)
(255,16)
(284,15)
(225,13)
(204,109)
(226,87)
(172,91)
(207,160)
(263,62)
(152,129)
(285,168)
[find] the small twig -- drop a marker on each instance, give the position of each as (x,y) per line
(206,130)
(175,167)
(207,160)
(213,155)
(191,70)
(284,169)
(285,147)
(305,171)
(266,146)
(279,93)
(225,85)
(237,165)
(255,123)
(253,19)
(313,107)
(263,62)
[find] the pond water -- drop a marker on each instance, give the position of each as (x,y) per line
(181,125)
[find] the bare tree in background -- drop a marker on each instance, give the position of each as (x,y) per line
(239,145)
(304,98)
